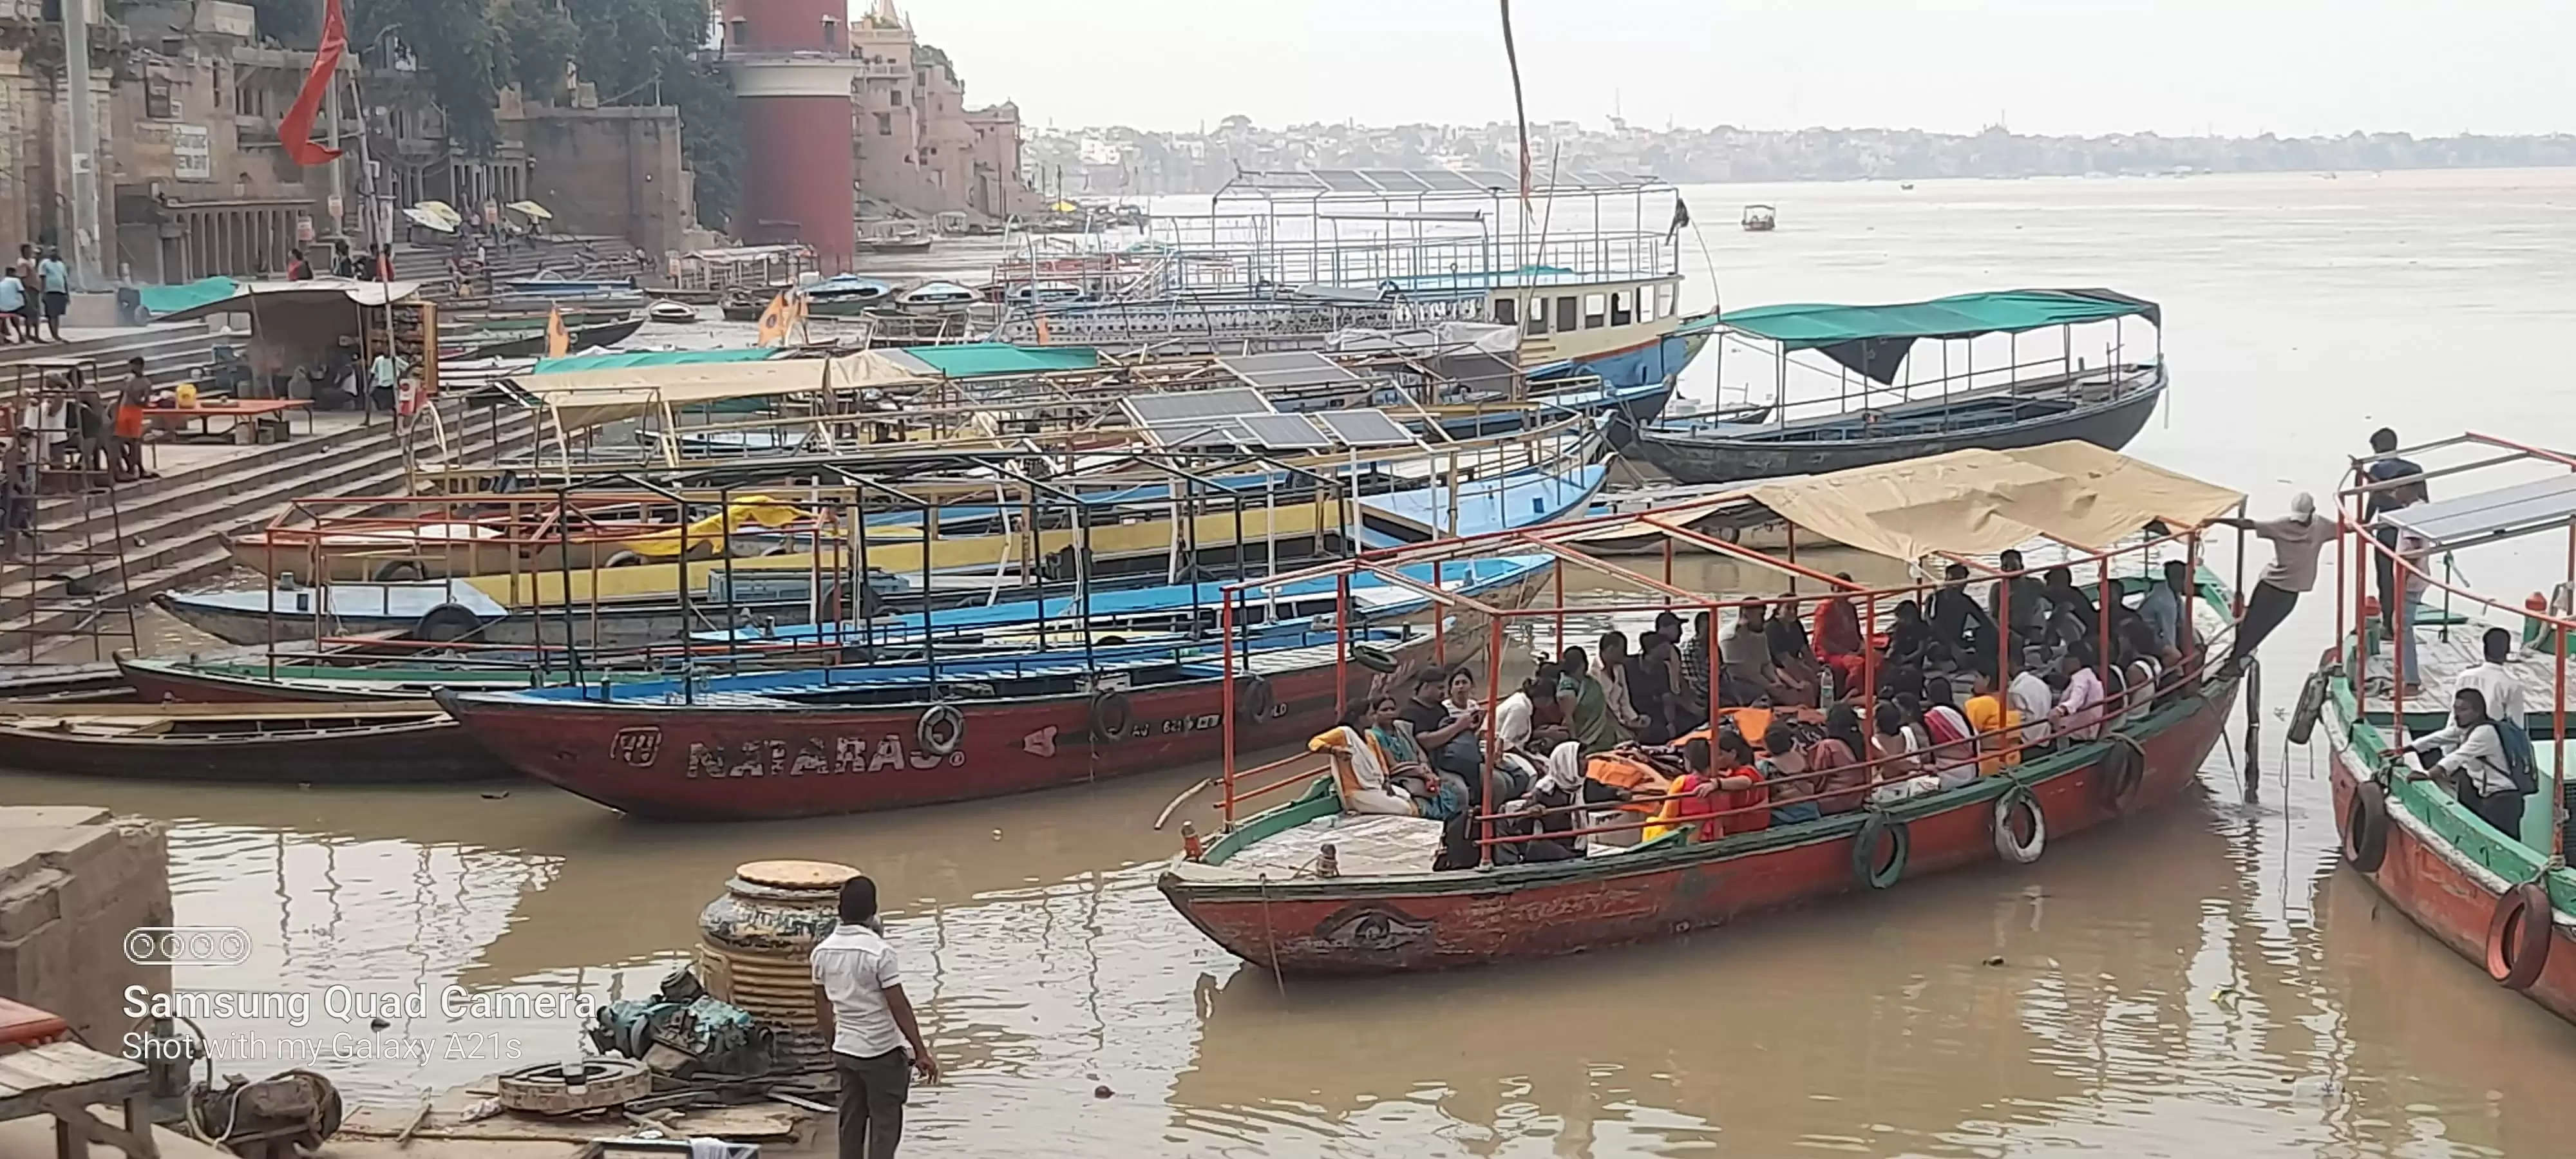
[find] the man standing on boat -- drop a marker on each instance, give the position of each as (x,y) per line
(2296,540)
(2382,467)
(860,1005)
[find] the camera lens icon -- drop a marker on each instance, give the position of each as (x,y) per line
(187,946)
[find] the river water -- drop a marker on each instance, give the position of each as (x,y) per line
(2200,980)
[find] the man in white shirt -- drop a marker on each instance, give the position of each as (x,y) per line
(860,1005)
(2030,697)
(2495,682)
(2473,754)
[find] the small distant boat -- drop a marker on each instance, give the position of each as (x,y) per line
(527,342)
(1881,420)
(549,284)
(747,305)
(1763,218)
(1907,185)
(936,297)
(389,742)
(1043,294)
(846,294)
(898,238)
(666,311)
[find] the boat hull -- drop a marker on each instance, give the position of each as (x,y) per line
(167,683)
(1436,921)
(2445,892)
(418,754)
(715,763)
(1703,458)
(609,626)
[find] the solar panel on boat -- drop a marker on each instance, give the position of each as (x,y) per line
(1365,428)
(1345,181)
(1147,409)
(1284,432)
(1396,180)
(1444,181)
(1219,431)
(1289,370)
(1496,179)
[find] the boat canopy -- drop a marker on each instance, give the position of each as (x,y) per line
(259,297)
(1971,502)
(1873,340)
(589,398)
(2492,516)
(627,359)
(979,359)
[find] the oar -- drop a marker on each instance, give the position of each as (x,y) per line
(1186,794)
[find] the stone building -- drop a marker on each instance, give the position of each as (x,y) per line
(916,143)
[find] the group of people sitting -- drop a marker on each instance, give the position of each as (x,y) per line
(1796,739)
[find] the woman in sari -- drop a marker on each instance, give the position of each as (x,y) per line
(1441,795)
(1722,780)
(1844,783)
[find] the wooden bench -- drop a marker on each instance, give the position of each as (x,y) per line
(63,1079)
(261,419)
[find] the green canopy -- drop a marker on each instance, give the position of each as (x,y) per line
(1874,339)
(626,360)
(979,359)
(172,299)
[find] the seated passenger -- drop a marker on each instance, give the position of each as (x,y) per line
(1952,744)
(1449,742)
(1790,654)
(1838,640)
(1845,785)
(1722,778)
(1361,777)
(1748,656)
(1549,808)
(1909,639)
(1784,767)
(1961,629)
(1585,705)
(1891,742)
(1998,727)
(2079,711)
(1441,795)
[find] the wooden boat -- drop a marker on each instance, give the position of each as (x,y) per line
(531,345)
(383,743)
(847,295)
(1887,423)
(1267,889)
(307,679)
(314,540)
(784,745)
(2501,900)
(1760,219)
(677,313)
(747,306)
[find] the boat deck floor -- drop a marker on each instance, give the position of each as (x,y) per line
(2440,658)
(1364,845)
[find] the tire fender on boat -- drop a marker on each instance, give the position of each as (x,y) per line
(2518,936)
(1880,829)
(397,571)
(2365,827)
(1373,658)
(1253,697)
(2121,772)
(2010,845)
(941,730)
(448,622)
(1110,714)
(2312,701)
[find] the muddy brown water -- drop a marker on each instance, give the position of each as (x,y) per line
(2201,980)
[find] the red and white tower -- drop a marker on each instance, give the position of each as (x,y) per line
(792,72)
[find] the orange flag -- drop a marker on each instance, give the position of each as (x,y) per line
(558,340)
(295,130)
(773,322)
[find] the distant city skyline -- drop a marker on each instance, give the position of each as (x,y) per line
(2056,67)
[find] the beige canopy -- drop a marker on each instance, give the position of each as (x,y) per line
(589,398)
(1972,502)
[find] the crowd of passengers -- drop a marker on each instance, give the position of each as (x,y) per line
(1799,721)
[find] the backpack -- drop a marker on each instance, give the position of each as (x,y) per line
(2519,764)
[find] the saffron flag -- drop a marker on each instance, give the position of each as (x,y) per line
(773,322)
(295,131)
(558,340)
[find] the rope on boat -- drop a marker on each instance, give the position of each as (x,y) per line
(1270,939)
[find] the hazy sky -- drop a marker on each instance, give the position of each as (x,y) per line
(2047,66)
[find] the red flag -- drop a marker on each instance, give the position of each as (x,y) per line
(295,132)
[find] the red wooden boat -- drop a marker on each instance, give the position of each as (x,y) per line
(824,741)
(1308,887)
(2504,901)
(1426,920)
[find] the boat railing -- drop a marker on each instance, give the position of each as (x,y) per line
(2005,748)
(1875,612)
(2118,368)
(2359,553)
